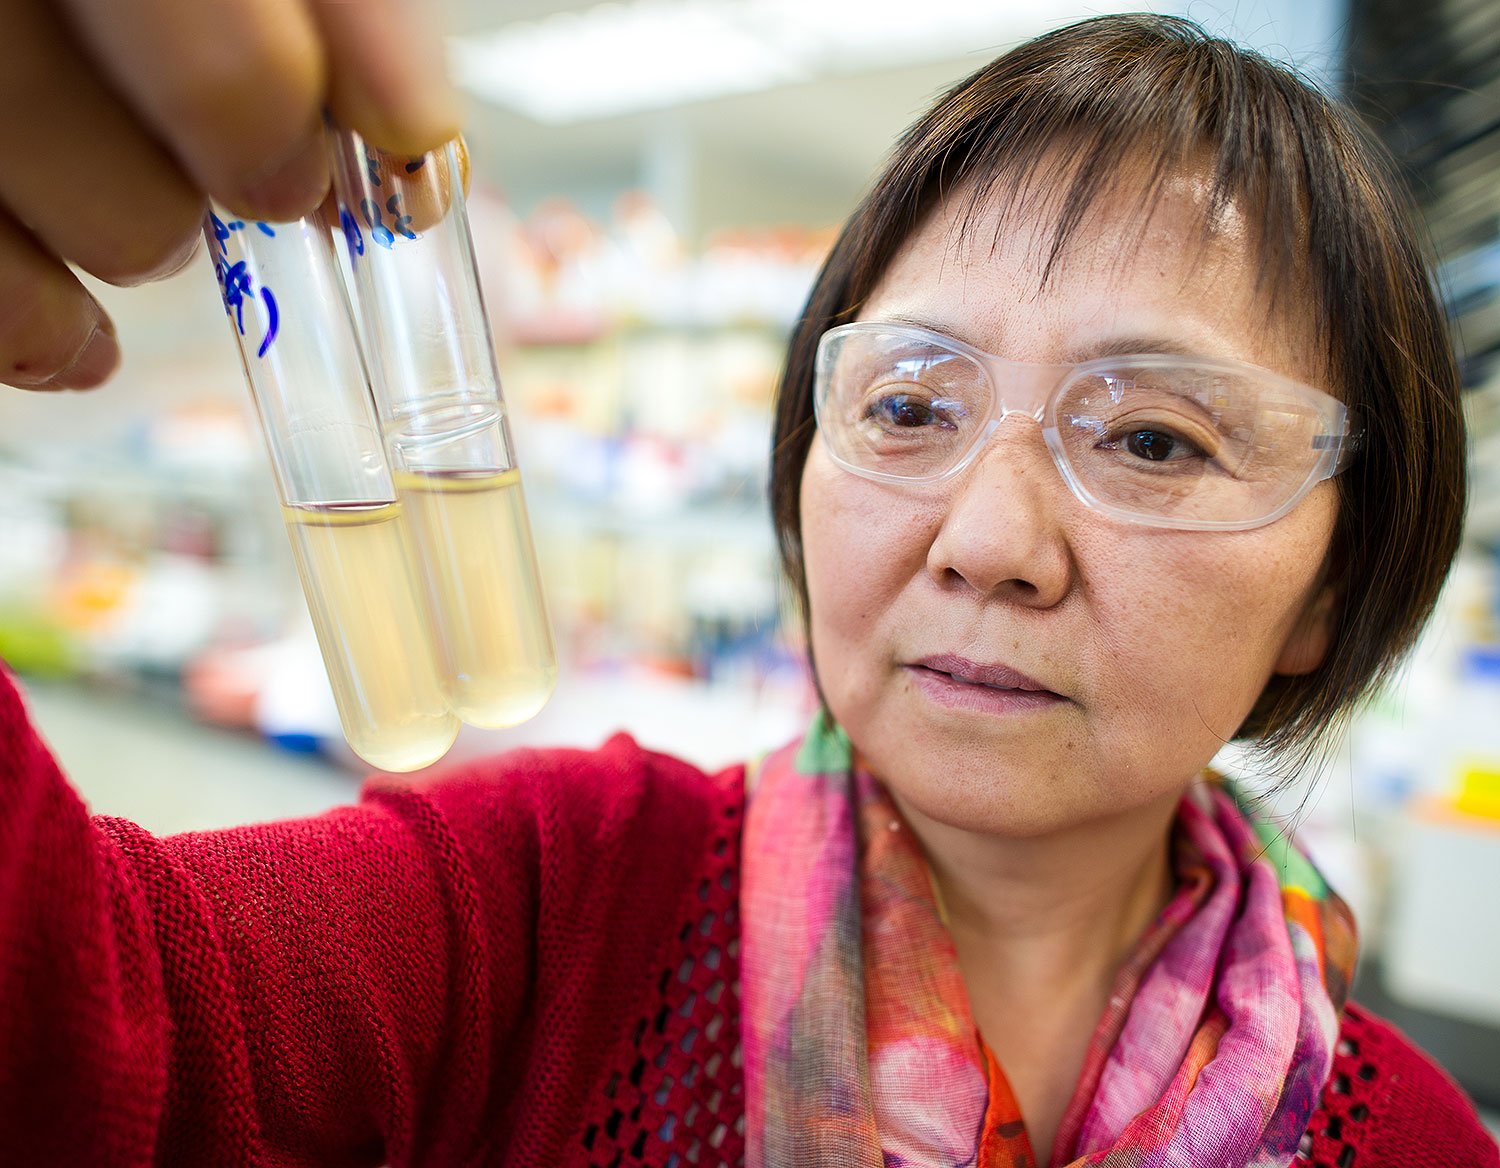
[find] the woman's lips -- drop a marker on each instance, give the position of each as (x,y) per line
(959,683)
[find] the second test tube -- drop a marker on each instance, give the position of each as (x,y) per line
(437,391)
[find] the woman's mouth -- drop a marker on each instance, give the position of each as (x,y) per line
(958,683)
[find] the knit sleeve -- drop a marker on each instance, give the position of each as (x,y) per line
(370,986)
(1387,1105)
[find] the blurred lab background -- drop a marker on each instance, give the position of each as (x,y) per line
(655,185)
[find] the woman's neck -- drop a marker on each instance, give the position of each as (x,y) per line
(1041,926)
(1066,901)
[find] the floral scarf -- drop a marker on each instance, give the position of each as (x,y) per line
(860,1049)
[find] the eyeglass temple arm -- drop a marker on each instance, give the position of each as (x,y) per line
(1349,443)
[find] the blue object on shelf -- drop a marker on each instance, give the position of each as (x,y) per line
(297,743)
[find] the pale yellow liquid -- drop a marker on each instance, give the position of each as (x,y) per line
(474,540)
(368,612)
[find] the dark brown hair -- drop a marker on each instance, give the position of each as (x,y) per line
(1335,233)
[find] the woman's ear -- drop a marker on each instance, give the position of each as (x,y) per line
(1311,637)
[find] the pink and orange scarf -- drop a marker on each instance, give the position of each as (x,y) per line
(860,1049)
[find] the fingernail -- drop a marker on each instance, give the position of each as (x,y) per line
(287,189)
(98,358)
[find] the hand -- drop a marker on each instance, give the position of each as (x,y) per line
(120,116)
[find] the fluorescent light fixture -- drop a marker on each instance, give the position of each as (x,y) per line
(621,58)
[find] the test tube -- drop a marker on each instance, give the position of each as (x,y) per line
(290,315)
(437,393)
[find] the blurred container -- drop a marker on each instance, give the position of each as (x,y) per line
(1442,948)
(1443,941)
(1456,731)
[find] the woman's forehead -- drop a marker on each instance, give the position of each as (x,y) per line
(1164,258)
(1134,217)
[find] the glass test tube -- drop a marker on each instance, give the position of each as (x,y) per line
(437,391)
(291,318)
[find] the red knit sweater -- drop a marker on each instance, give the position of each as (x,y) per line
(531,961)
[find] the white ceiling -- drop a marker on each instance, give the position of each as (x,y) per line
(801,152)
(798,153)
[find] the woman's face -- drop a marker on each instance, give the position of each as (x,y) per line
(1153,644)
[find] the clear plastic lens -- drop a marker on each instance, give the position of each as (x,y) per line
(1160,438)
(902,406)
(1185,443)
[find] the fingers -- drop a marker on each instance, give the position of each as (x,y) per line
(120,116)
(235,87)
(232,87)
(386,72)
(84,175)
(53,334)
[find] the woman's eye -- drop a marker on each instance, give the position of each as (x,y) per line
(907,411)
(1157,446)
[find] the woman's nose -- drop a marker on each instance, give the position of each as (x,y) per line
(1003,532)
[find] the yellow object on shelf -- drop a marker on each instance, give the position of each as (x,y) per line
(1479,793)
(32,643)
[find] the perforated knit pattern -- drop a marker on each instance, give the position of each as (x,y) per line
(1333,1137)
(680,1099)
(1378,1084)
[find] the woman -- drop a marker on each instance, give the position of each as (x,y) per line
(1121,422)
